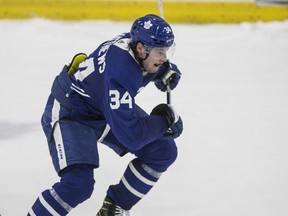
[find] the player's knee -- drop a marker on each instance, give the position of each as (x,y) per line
(79,184)
(83,188)
(162,155)
(171,152)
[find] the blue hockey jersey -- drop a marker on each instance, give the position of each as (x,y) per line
(104,88)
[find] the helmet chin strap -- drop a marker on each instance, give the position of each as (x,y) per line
(139,59)
(143,59)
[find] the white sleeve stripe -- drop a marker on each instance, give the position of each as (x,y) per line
(64,205)
(47,206)
(139,176)
(31,212)
(79,91)
(78,88)
(131,189)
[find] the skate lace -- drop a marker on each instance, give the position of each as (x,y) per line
(121,212)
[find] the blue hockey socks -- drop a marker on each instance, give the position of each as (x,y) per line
(76,186)
(136,182)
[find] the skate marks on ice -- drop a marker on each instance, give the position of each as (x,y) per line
(9,130)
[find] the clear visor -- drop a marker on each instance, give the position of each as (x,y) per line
(160,52)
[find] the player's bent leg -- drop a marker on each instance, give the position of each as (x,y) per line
(159,155)
(143,172)
(76,185)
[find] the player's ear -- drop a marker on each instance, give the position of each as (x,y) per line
(140,49)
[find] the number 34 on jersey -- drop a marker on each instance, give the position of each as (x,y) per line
(86,68)
(116,100)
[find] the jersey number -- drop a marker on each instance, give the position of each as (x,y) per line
(89,68)
(116,101)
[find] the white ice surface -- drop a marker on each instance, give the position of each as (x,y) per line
(233,98)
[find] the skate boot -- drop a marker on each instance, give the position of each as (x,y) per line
(111,209)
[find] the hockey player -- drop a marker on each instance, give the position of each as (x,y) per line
(92,100)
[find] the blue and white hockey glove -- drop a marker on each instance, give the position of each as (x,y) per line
(169,74)
(173,119)
(175,130)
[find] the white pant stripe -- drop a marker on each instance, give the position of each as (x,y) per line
(139,176)
(131,189)
(47,206)
(55,112)
(59,146)
(58,136)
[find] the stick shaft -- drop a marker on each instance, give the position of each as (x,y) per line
(161,9)
(168,94)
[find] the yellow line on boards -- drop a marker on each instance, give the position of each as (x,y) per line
(120,10)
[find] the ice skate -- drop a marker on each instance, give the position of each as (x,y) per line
(111,209)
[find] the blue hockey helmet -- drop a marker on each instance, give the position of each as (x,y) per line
(152,31)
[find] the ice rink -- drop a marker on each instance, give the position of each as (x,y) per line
(233,99)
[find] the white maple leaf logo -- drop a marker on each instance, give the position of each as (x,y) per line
(147,24)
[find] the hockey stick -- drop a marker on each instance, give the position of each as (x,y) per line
(161,9)
(168,94)
(167,81)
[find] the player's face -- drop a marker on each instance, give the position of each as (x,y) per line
(156,57)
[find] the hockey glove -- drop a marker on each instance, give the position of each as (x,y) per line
(169,76)
(167,111)
(173,119)
(175,130)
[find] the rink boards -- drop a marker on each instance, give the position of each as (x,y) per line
(175,11)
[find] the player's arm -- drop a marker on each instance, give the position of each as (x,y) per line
(130,129)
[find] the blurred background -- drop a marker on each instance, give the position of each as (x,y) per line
(233,98)
(187,11)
